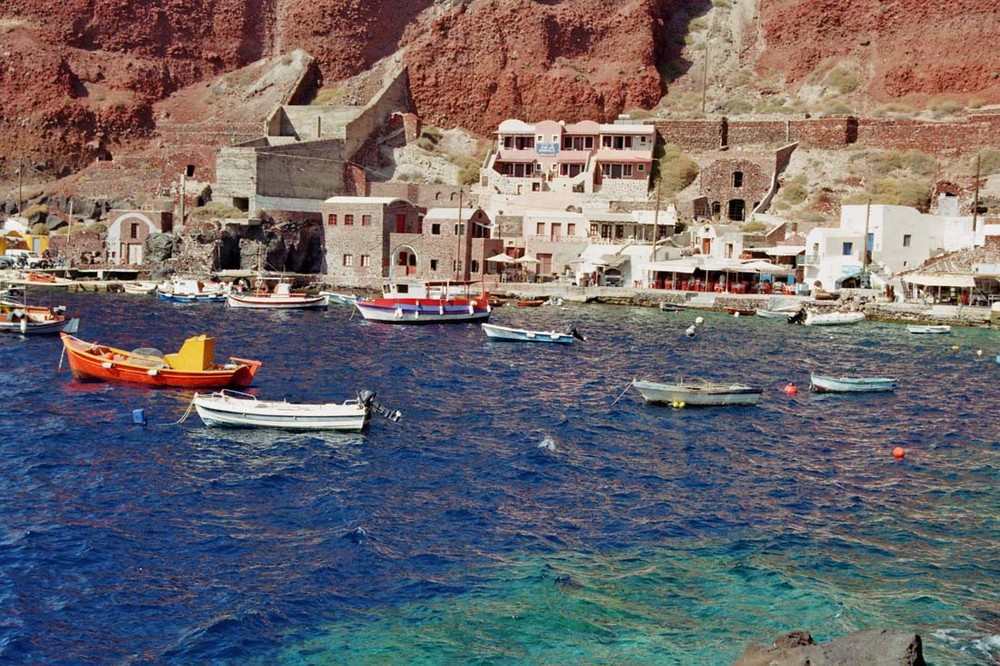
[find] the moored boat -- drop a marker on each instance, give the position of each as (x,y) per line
(139,287)
(700,393)
(826,384)
(36,319)
(774,314)
(438,302)
(508,334)
(832,318)
(180,290)
(282,298)
(335,298)
(191,367)
(929,329)
(242,410)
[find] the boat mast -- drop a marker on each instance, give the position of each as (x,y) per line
(458,235)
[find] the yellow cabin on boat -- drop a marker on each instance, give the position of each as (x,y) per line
(197,354)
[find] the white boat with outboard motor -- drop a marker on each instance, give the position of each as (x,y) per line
(825,384)
(509,334)
(242,410)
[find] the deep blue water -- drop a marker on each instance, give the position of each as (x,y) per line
(648,535)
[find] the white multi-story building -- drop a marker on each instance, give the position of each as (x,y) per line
(898,238)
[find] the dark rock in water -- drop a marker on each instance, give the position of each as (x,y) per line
(357,535)
(867,648)
(566,582)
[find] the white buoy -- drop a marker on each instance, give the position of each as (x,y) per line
(547,444)
(699,320)
(690,331)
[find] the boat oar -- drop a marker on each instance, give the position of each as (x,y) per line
(623,393)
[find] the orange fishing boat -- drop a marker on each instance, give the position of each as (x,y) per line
(192,367)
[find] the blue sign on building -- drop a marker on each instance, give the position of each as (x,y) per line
(547,148)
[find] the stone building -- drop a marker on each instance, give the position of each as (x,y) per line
(736,184)
(357,233)
(128,231)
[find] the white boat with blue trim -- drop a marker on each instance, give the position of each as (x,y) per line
(825,384)
(508,334)
(242,410)
(439,302)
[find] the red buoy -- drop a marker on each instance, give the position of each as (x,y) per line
(790,389)
(899,453)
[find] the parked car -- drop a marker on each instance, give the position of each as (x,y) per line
(28,259)
(7,261)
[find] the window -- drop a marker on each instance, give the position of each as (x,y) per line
(906,240)
(348,260)
(539,228)
(435,229)
(459,229)
(366,220)
(737,179)
(434,264)
(848,249)
(348,220)
(366,260)
(474,266)
(400,223)
(642,168)
(134,230)
(331,219)
(571,229)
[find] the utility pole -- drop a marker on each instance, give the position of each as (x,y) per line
(656,220)
(183,188)
(975,202)
(458,234)
(20,170)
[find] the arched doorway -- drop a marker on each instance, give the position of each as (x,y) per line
(737,209)
(404,262)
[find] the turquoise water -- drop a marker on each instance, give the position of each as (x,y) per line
(518,513)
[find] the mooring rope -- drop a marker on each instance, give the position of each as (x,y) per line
(623,393)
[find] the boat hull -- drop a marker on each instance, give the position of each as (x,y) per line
(507,334)
(191,298)
(823,384)
(698,395)
(417,311)
(91,361)
(219,410)
(64,325)
(278,302)
(834,318)
(929,330)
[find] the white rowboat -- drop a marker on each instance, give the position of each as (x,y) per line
(942,328)
(508,334)
(701,394)
(833,318)
(822,384)
(242,410)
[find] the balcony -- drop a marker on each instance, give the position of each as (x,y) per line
(809,260)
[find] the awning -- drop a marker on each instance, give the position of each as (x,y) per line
(961,280)
(848,274)
(615,260)
(671,267)
(502,259)
(766,267)
(782,250)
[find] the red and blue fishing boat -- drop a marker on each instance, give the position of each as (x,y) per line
(435,302)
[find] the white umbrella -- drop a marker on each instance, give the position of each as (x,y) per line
(527,259)
(502,259)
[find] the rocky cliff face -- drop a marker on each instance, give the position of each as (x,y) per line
(79,78)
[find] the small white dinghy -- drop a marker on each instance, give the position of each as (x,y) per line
(508,334)
(242,410)
(824,384)
(929,329)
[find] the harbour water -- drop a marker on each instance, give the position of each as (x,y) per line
(517,514)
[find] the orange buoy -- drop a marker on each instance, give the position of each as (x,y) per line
(790,389)
(899,453)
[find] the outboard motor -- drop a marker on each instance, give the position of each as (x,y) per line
(571,330)
(798,317)
(367,398)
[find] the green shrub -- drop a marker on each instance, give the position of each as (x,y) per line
(893,109)
(842,80)
(216,211)
(916,194)
(945,107)
(886,162)
(793,193)
(751,227)
(677,172)
(989,162)
(735,107)
(920,163)
(836,108)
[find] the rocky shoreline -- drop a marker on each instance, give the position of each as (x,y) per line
(876,647)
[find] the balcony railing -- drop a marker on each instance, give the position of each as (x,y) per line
(809,260)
